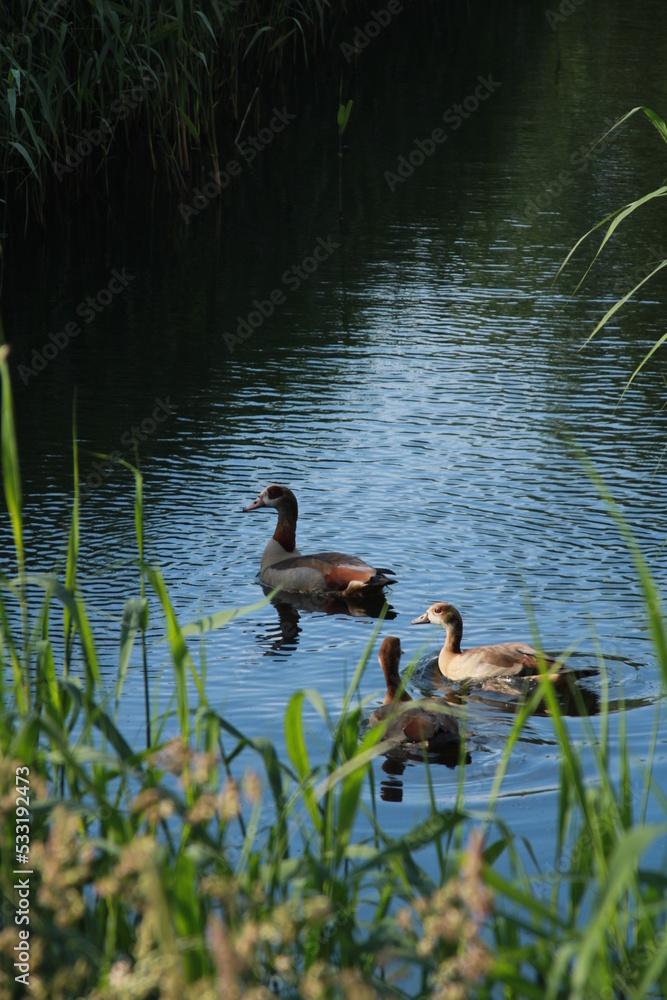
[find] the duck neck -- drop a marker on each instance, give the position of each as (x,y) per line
(285,533)
(454,636)
(392,691)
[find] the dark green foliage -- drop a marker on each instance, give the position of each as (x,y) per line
(85,79)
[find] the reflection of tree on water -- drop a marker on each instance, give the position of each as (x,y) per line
(290,607)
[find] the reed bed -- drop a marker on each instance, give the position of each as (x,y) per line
(612,221)
(202,865)
(85,82)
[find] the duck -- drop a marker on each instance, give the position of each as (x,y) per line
(505,659)
(324,572)
(423,722)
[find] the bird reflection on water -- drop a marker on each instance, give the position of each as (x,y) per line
(290,607)
(495,696)
(398,759)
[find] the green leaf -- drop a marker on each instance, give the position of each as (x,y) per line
(47,671)
(77,609)
(135,616)
(193,130)
(207,24)
(220,618)
(655,968)
(73,542)
(297,750)
(344,115)
(11,476)
(657,121)
(100,719)
(258,33)
(294,738)
(20,148)
(617,305)
(621,874)
(348,801)
(656,346)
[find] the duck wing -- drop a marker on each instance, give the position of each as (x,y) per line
(435,728)
(417,725)
(339,570)
(511,659)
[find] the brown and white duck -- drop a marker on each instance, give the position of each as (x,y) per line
(505,659)
(423,722)
(324,572)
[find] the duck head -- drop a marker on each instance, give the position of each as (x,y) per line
(275,496)
(441,614)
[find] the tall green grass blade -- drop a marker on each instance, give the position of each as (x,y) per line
(617,217)
(344,111)
(654,970)
(25,740)
(361,666)
(350,791)
(100,720)
(646,358)
(135,616)
(655,120)
(180,656)
(72,547)
(7,644)
(20,148)
(652,599)
(211,622)
(79,616)
(295,744)
(371,747)
(621,875)
(582,239)
(46,673)
(617,306)
(11,476)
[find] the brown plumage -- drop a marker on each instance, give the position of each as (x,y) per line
(422,722)
(324,572)
(505,659)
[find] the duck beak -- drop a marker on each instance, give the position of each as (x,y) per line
(255,504)
(422,620)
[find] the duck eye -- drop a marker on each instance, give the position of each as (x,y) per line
(274,492)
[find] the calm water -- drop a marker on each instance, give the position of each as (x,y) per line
(417,391)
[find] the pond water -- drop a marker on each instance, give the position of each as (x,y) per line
(421,390)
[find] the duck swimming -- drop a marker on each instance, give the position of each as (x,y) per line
(505,659)
(423,722)
(324,572)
